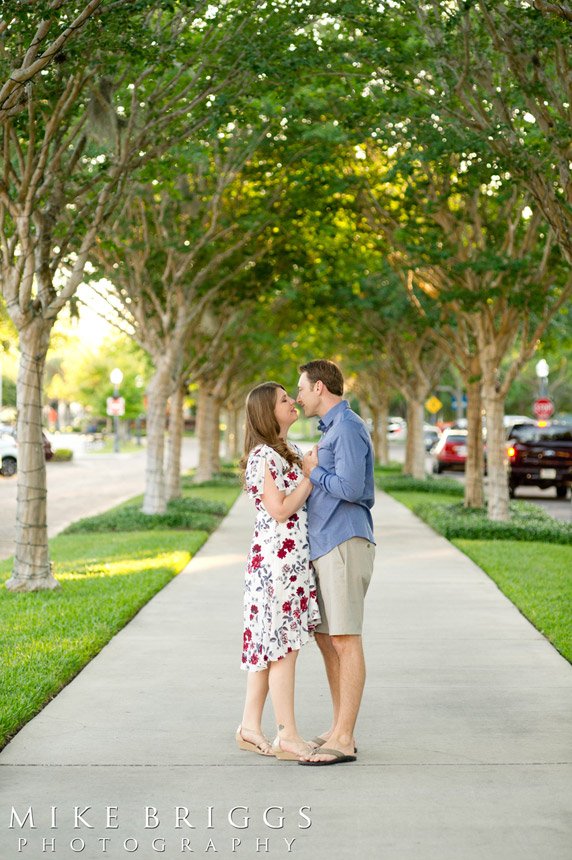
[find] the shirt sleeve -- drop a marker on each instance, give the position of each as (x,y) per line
(347,480)
(256,471)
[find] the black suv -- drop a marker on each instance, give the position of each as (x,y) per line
(541,456)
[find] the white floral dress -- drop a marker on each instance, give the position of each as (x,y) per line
(280,597)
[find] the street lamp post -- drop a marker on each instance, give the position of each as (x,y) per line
(116,377)
(542,371)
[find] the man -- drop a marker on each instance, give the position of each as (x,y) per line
(342,548)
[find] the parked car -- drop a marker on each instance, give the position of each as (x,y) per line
(396,427)
(450,452)
(9,450)
(431,434)
(8,455)
(541,457)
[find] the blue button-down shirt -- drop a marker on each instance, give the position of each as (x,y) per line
(343,493)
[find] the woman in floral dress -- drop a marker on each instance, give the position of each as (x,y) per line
(280,603)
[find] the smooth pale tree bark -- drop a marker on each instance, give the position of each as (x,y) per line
(176,424)
(240,431)
(380,421)
(158,391)
(474,467)
(32,569)
(232,433)
(207,433)
(415,444)
(216,436)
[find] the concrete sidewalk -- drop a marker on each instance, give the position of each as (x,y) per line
(465,734)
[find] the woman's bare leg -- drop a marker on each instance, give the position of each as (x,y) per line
(256,693)
(281,683)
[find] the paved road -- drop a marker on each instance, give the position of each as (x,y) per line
(465,734)
(91,483)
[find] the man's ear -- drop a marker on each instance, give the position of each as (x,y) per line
(319,386)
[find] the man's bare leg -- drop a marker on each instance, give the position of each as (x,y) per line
(332,664)
(351,663)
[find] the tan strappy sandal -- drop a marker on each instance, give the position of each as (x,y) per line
(264,748)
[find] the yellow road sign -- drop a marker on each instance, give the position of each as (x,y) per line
(433,405)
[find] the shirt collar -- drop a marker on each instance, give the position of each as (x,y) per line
(327,420)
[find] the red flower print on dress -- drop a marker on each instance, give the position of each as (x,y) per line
(254,608)
(286,606)
(293,578)
(256,547)
(255,562)
(254,659)
(299,591)
(304,603)
(313,593)
(288,545)
(292,475)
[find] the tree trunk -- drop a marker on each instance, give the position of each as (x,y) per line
(375,433)
(474,492)
(207,434)
(216,436)
(240,430)
(231,447)
(497,482)
(32,567)
(415,445)
(176,423)
(157,397)
(380,416)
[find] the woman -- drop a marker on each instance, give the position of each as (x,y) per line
(280,603)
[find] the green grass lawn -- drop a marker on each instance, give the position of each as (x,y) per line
(126,446)
(47,637)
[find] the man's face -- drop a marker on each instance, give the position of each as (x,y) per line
(308,397)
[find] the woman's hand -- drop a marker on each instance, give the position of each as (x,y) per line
(310,461)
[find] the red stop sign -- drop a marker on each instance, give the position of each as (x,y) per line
(543,408)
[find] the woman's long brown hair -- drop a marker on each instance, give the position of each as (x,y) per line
(262,428)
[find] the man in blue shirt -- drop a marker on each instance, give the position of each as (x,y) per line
(342,548)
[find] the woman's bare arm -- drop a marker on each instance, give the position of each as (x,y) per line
(277,503)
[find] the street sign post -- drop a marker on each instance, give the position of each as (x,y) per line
(543,408)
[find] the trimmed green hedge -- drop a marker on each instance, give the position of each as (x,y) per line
(62,455)
(189,513)
(227,477)
(392,482)
(528,522)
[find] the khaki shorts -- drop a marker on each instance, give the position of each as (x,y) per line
(343,577)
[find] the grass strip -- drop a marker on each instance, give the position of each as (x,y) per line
(106,577)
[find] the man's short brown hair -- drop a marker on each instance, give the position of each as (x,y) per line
(327,372)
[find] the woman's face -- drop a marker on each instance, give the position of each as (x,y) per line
(284,410)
